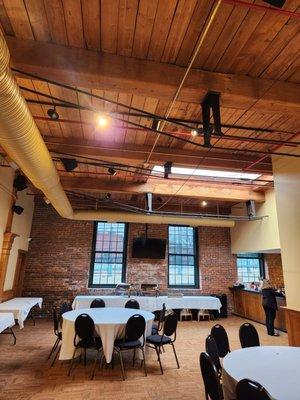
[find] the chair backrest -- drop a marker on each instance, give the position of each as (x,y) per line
(210,377)
(132,304)
(65,307)
(135,327)
(219,333)
(84,327)
(212,350)
(251,390)
(97,303)
(170,325)
(248,335)
(55,321)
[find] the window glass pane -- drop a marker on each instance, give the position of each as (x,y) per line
(182,256)
(109,247)
(249,267)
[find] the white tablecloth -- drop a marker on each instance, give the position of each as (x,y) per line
(20,307)
(153,303)
(274,367)
(6,321)
(109,324)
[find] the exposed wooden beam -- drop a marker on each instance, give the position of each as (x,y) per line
(89,69)
(137,154)
(164,187)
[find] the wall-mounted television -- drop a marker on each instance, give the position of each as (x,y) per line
(148,248)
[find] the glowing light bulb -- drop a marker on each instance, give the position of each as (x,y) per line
(203,203)
(194,132)
(102,121)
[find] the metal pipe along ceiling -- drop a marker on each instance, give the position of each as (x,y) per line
(23,143)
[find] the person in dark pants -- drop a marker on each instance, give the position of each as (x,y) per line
(270,306)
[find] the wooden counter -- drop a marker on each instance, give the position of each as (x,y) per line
(248,304)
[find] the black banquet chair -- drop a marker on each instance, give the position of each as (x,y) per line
(132,304)
(84,339)
(248,335)
(212,350)
(65,307)
(212,385)
(58,334)
(251,390)
(97,303)
(168,336)
(159,320)
(134,331)
(219,333)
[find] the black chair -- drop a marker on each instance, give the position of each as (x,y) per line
(248,335)
(97,303)
(158,341)
(65,307)
(251,390)
(160,317)
(58,334)
(212,350)
(219,333)
(132,304)
(84,331)
(212,385)
(135,329)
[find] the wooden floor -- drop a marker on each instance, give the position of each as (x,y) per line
(25,374)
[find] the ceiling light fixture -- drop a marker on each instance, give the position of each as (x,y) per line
(194,132)
(17,209)
(108,196)
(53,114)
(203,203)
(69,164)
(102,121)
(112,171)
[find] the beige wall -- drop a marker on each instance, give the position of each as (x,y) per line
(21,224)
(287,188)
(256,236)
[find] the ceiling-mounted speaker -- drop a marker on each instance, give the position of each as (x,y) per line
(250,205)
(275,3)
(17,209)
(20,182)
(69,163)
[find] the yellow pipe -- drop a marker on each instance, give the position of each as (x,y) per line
(23,143)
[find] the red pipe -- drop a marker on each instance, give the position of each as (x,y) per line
(263,8)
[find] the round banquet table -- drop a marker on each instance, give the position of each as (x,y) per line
(109,325)
(274,367)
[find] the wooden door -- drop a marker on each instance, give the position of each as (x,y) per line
(19,273)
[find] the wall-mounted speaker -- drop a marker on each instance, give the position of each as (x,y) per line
(69,163)
(18,209)
(250,205)
(20,182)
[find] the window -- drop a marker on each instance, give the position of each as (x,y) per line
(108,254)
(183,259)
(250,267)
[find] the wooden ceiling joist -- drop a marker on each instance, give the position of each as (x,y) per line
(205,191)
(89,69)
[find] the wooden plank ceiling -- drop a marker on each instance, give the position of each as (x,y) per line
(259,43)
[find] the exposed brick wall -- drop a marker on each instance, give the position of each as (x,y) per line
(59,255)
(274,265)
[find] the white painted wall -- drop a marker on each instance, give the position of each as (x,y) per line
(21,224)
(257,236)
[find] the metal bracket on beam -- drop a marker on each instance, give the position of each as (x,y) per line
(210,103)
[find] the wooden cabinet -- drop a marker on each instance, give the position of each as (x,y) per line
(248,304)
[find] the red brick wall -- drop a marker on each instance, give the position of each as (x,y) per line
(59,255)
(274,265)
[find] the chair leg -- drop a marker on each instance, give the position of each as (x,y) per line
(53,348)
(72,361)
(56,354)
(175,355)
(133,359)
(158,359)
(95,364)
(85,356)
(13,333)
(144,361)
(122,366)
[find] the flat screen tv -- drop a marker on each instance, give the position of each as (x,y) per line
(148,248)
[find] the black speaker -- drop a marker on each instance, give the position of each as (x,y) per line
(223,311)
(20,182)
(275,3)
(250,204)
(18,209)
(69,163)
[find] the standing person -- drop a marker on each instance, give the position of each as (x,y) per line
(270,306)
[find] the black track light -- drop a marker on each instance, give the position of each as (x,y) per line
(69,163)
(17,209)
(167,169)
(53,114)
(20,183)
(112,171)
(108,196)
(275,3)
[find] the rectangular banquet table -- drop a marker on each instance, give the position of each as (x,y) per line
(149,303)
(20,307)
(6,321)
